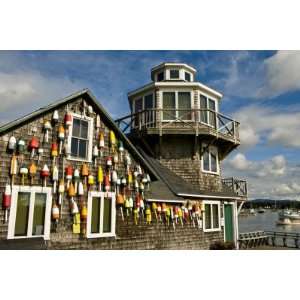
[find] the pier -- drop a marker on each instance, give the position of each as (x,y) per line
(257,239)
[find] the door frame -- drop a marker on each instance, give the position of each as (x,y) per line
(234,222)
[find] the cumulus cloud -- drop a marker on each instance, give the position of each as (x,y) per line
(271,178)
(281,74)
(276,127)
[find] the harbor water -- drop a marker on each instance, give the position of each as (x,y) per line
(264,221)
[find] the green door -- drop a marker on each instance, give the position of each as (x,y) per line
(228,212)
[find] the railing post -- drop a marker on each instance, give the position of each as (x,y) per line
(284,240)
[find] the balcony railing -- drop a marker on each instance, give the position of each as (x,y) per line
(236,185)
(193,119)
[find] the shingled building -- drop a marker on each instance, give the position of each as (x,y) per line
(73,178)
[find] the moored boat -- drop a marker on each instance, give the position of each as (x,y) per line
(288,217)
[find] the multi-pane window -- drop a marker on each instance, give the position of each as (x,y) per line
(177,105)
(211,216)
(187,76)
(208,111)
(101,214)
(138,106)
(174,74)
(30,212)
(148,104)
(80,141)
(210,159)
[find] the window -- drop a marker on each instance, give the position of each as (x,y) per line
(177,105)
(101,214)
(81,138)
(160,76)
(174,74)
(30,214)
(187,76)
(184,102)
(211,216)
(208,115)
(138,106)
(210,160)
(149,115)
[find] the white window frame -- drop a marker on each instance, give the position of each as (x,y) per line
(156,76)
(207,112)
(174,69)
(89,139)
(101,195)
(13,211)
(176,104)
(212,221)
(189,74)
(214,150)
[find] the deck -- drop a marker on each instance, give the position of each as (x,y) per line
(190,122)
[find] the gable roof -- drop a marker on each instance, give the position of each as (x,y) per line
(180,187)
(104,115)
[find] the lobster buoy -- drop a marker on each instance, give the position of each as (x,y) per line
(100,177)
(68,119)
(69,174)
(95,154)
(32,172)
(83,213)
(61,137)
(148,214)
(13,168)
(23,172)
(55,213)
(120,199)
(109,161)
(54,178)
(91,180)
(80,189)
(55,117)
(61,190)
(101,143)
(106,183)
(112,139)
(45,174)
(21,146)
(76,176)
(6,203)
(85,173)
(12,142)
(40,153)
(54,151)
(33,145)
(47,128)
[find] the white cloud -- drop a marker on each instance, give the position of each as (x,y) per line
(275,126)
(281,74)
(271,178)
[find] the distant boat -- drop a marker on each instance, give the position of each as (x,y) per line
(289,217)
(261,210)
(252,211)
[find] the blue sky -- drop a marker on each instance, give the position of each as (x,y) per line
(261,89)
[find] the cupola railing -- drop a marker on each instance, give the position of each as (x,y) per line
(238,186)
(195,120)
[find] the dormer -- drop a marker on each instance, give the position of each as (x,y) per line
(173,72)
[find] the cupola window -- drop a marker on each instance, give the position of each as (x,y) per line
(210,160)
(187,76)
(160,76)
(208,111)
(174,74)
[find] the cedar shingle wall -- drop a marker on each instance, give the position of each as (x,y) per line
(129,236)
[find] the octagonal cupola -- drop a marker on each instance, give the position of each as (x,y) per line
(173,72)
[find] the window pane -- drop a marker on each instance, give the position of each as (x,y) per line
(39,214)
(76,127)
(184,102)
(206,161)
(215,212)
(84,129)
(74,147)
(174,74)
(213,162)
(169,104)
(82,149)
(22,214)
(95,224)
(107,215)
(207,216)
(187,76)
(149,115)
(203,105)
(160,76)
(212,115)
(138,106)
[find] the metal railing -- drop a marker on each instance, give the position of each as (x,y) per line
(195,119)
(236,185)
